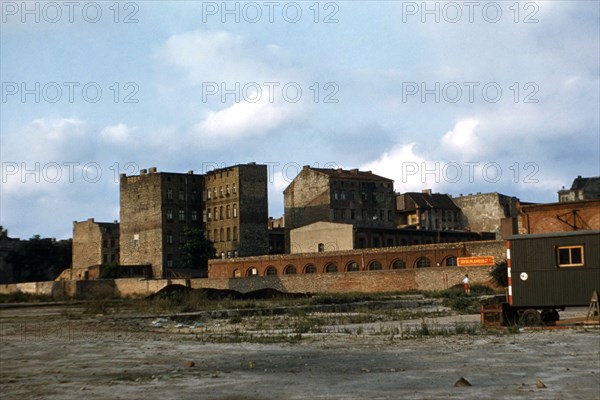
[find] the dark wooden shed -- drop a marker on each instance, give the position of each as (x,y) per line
(553,270)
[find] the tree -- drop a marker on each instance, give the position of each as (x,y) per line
(39,259)
(499,273)
(196,249)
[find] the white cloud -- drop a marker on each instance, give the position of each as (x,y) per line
(245,119)
(463,140)
(117,133)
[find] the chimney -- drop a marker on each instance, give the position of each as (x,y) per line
(426,191)
(143,172)
(191,172)
(152,170)
(354,171)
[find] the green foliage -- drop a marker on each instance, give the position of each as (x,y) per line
(39,259)
(110,271)
(197,250)
(499,273)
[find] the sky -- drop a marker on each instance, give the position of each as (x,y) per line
(457,97)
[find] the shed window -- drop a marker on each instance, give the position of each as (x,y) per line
(570,256)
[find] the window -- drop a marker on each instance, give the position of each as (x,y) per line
(331,267)
(343,213)
(234,188)
(215,193)
(105,259)
(228,233)
(398,264)
(321,247)
(227,190)
(423,262)
(216,213)
(194,195)
(235,233)
(451,261)
(375,266)
(215,235)
(181,195)
(235,211)
(310,269)
(105,243)
(181,215)
(343,194)
(271,271)
(169,237)
(228,211)
(112,243)
(136,240)
(352,214)
(221,212)
(209,214)
(237,273)
(169,215)
(170,260)
(221,235)
(194,215)
(208,193)
(220,191)
(570,256)
(352,267)
(289,270)
(169,194)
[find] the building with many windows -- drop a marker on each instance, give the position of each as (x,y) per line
(236,210)
(427,210)
(581,189)
(95,243)
(156,209)
(359,198)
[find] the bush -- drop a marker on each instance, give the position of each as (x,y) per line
(499,273)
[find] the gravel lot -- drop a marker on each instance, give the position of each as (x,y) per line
(60,353)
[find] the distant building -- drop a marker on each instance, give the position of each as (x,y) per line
(426,210)
(95,243)
(322,237)
(276,235)
(236,210)
(561,217)
(156,208)
(355,197)
(489,212)
(581,189)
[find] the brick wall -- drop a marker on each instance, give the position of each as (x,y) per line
(561,217)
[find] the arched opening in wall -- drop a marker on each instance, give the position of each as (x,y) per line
(310,269)
(423,262)
(398,264)
(375,266)
(331,267)
(289,270)
(251,272)
(271,270)
(450,261)
(321,247)
(352,266)
(237,273)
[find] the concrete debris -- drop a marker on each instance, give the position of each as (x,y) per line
(462,382)
(539,384)
(189,364)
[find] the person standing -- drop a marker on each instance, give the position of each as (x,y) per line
(467,284)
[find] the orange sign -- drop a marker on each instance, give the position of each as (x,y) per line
(475,261)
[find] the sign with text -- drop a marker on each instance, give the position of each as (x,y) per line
(475,261)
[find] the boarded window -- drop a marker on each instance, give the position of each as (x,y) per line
(570,256)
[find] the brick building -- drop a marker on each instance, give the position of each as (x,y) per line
(95,243)
(355,197)
(426,210)
(560,217)
(236,210)
(489,212)
(156,208)
(366,260)
(581,189)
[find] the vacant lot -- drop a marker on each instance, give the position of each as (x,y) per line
(74,352)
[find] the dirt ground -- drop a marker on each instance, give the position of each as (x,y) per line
(60,353)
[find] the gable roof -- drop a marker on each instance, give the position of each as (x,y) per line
(340,173)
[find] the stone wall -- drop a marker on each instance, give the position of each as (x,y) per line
(372,281)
